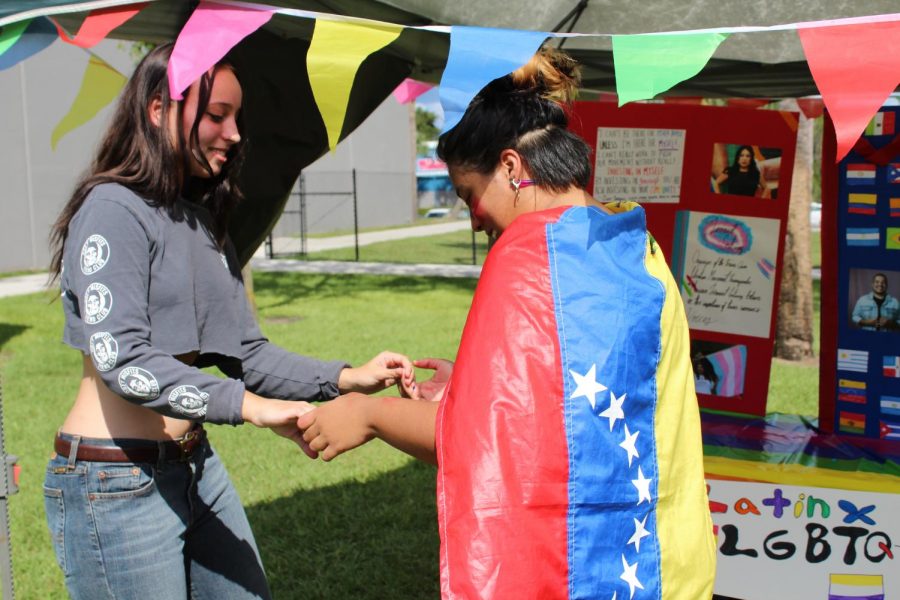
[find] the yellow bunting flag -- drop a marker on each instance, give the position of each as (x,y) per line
(335,53)
(99,86)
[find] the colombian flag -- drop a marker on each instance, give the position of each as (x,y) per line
(568,440)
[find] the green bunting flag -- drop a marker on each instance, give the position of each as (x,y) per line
(647,65)
(10,34)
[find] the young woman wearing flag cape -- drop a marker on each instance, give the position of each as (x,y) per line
(567,436)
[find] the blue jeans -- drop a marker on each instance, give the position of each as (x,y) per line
(139,530)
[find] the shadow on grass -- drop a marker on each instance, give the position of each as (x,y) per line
(289,287)
(8,331)
(373,539)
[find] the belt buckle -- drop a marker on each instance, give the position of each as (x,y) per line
(187,444)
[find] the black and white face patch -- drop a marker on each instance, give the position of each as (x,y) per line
(189,401)
(97,303)
(104,350)
(94,254)
(138,382)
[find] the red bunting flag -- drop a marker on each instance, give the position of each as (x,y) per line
(99,23)
(855,68)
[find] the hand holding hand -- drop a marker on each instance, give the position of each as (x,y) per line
(278,415)
(383,371)
(433,388)
(338,426)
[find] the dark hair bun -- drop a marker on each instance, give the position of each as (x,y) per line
(551,73)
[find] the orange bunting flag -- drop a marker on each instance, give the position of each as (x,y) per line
(99,23)
(855,68)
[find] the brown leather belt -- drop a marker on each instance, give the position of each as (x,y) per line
(175,450)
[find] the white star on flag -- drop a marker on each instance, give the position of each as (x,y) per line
(628,444)
(587,385)
(643,487)
(629,576)
(614,411)
(639,532)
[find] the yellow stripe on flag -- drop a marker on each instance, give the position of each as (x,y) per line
(895,202)
(860,580)
(335,53)
(849,383)
(99,86)
(683,523)
(863,199)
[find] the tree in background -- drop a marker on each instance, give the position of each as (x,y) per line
(426,130)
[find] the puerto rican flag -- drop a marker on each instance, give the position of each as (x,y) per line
(860,174)
(568,440)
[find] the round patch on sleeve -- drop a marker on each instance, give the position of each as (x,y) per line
(94,254)
(97,303)
(138,383)
(189,401)
(104,350)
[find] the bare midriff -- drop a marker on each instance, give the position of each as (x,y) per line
(101,413)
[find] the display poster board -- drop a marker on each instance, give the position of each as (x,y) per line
(781,542)
(860,351)
(715,183)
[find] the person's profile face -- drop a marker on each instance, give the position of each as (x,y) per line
(879,285)
(218,129)
(489,197)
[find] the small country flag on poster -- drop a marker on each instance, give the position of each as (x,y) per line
(890,405)
(895,207)
(862,204)
(853,360)
(766,268)
(892,238)
(860,174)
(851,422)
(856,587)
(863,236)
(893,173)
(850,390)
(891,366)
(881,124)
(890,431)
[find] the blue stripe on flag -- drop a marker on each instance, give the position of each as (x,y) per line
(586,245)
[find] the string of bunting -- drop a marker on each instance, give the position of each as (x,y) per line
(853,81)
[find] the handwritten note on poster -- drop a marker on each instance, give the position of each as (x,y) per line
(637,164)
(726,271)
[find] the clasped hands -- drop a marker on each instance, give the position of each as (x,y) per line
(348,421)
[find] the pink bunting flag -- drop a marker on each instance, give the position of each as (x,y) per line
(855,68)
(99,23)
(209,34)
(409,90)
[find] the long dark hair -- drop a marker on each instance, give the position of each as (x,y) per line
(752,169)
(524,111)
(141,156)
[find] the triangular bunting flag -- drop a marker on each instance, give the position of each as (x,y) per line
(855,68)
(479,55)
(209,34)
(335,53)
(38,34)
(99,23)
(99,86)
(10,34)
(409,90)
(647,65)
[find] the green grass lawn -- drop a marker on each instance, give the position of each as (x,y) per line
(362,526)
(447,248)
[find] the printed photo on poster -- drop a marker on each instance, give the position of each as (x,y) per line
(725,266)
(637,164)
(874,300)
(745,170)
(719,369)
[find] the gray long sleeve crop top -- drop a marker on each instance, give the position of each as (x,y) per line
(141,285)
